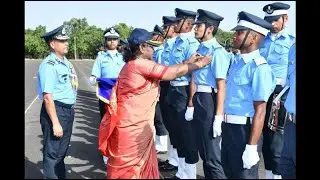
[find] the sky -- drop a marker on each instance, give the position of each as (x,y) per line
(142,14)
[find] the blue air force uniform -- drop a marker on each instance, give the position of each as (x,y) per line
(107,64)
(250,79)
(275,48)
(172,162)
(161,131)
(288,155)
(54,77)
(204,100)
(178,92)
(157,30)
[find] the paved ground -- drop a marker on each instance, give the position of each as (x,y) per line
(83,161)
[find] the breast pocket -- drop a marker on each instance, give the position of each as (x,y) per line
(203,51)
(243,81)
(178,54)
(281,49)
(165,55)
(105,65)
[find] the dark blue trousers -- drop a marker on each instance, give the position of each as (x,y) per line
(209,147)
(184,131)
(54,148)
(288,155)
(158,122)
(102,109)
(234,140)
(163,102)
(273,141)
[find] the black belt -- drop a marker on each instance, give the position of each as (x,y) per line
(164,83)
(58,103)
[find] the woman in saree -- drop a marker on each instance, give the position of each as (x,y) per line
(127,129)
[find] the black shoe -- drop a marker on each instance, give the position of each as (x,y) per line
(168,167)
(162,163)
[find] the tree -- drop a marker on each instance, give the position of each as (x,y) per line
(75,25)
(124,29)
(223,36)
(83,38)
(35,47)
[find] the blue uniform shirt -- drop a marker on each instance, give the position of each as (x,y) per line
(276,52)
(101,52)
(250,79)
(157,54)
(184,47)
(108,66)
(218,67)
(290,103)
(54,78)
(165,56)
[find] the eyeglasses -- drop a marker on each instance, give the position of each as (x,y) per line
(148,45)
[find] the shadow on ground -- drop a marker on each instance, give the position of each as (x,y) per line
(85,162)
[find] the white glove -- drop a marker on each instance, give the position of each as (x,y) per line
(217,125)
(250,156)
(92,80)
(189,113)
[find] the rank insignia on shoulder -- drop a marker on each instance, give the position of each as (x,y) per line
(52,62)
(260,60)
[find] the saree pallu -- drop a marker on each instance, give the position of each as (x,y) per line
(126,130)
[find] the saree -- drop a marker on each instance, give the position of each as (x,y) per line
(126,130)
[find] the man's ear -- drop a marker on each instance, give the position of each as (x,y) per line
(51,43)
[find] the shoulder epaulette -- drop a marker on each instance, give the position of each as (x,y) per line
(260,60)
(52,62)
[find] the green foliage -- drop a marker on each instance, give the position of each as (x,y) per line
(223,36)
(35,47)
(124,29)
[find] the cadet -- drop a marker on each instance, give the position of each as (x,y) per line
(180,95)
(208,100)
(57,111)
(157,35)
(249,85)
(161,137)
(170,36)
(108,64)
(274,48)
(288,155)
(101,48)
(121,45)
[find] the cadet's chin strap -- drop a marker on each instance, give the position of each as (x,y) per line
(157,37)
(205,30)
(165,36)
(245,38)
(182,25)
